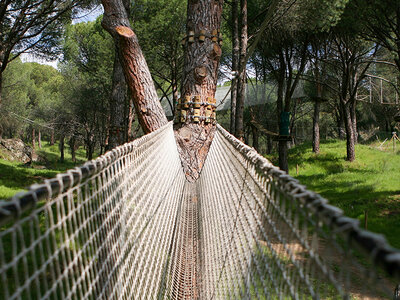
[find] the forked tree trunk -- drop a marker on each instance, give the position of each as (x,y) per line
(199,77)
(137,75)
(235,62)
(241,85)
(199,83)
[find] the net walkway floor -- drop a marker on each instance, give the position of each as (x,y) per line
(129,226)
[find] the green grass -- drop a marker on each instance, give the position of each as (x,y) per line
(371,183)
(16,177)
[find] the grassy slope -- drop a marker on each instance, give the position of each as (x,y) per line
(371,183)
(15,177)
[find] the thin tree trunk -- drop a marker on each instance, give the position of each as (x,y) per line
(62,137)
(52,137)
(350,142)
(131,118)
(283,156)
(199,84)
(235,62)
(175,94)
(137,75)
(33,138)
(316,136)
(242,71)
(72,146)
(1,82)
(40,139)
(354,120)
(255,137)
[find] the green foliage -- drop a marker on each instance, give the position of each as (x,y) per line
(30,92)
(160,26)
(87,67)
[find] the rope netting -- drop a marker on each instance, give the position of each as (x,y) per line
(128,225)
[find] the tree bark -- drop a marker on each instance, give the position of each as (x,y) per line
(62,137)
(350,142)
(317,106)
(283,156)
(199,83)
(316,137)
(235,62)
(52,137)
(131,118)
(33,138)
(40,139)
(241,85)
(354,120)
(1,83)
(137,75)
(72,146)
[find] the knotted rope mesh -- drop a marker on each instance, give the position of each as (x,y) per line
(128,225)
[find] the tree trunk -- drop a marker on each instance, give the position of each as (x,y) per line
(340,123)
(194,136)
(90,144)
(283,156)
(351,155)
(241,85)
(175,93)
(131,118)
(255,137)
(316,137)
(117,104)
(1,82)
(282,144)
(72,146)
(354,120)
(40,139)
(52,137)
(33,138)
(62,137)
(137,75)
(235,62)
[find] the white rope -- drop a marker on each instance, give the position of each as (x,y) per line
(129,226)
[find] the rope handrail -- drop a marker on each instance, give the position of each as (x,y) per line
(373,244)
(128,225)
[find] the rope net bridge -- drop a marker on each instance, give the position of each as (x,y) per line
(129,226)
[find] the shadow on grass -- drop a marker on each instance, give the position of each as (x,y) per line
(53,162)
(18,176)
